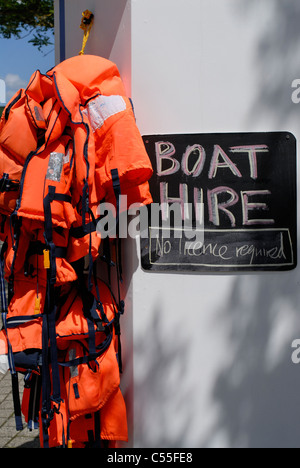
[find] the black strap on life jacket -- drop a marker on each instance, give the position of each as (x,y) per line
(48,234)
(15,229)
(38,248)
(34,383)
(94,437)
(121,303)
(88,358)
(80,231)
(8,185)
(14,375)
(106,257)
(92,306)
(13,102)
(50,403)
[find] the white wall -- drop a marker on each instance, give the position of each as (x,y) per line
(2,92)
(110,37)
(212,354)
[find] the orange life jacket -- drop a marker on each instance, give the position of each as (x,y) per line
(93,430)
(68,142)
(90,387)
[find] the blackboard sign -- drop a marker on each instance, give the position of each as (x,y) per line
(236,196)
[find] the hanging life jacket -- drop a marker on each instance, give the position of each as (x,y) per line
(68,142)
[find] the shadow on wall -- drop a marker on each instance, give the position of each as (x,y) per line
(277,59)
(166,368)
(258,394)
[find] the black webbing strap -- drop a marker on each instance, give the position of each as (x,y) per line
(48,330)
(85,202)
(17,321)
(49,340)
(15,229)
(121,304)
(80,231)
(14,375)
(117,190)
(48,234)
(13,102)
(90,307)
(34,383)
(100,349)
(106,257)
(94,437)
(99,304)
(97,426)
(38,248)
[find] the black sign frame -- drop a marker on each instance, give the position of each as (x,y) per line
(248,184)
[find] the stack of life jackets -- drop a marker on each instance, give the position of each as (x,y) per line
(68,142)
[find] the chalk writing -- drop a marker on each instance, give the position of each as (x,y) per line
(273,248)
(242,189)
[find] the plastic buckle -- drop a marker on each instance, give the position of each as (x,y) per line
(46,253)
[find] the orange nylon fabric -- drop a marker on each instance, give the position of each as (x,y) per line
(61,140)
